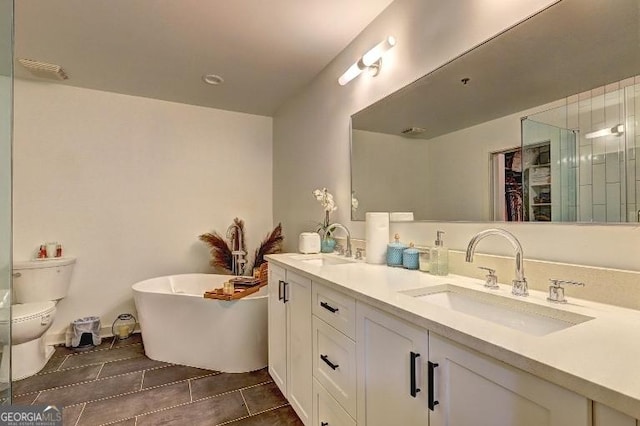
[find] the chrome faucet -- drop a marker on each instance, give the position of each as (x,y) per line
(519,285)
(234,233)
(347,252)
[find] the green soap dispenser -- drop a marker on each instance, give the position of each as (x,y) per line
(439,257)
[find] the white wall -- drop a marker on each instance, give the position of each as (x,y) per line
(311,131)
(127,184)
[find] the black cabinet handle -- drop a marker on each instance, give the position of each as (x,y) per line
(324,423)
(325,358)
(431,403)
(328,307)
(280,286)
(413,389)
(285,299)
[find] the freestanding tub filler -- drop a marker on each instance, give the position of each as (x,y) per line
(180,326)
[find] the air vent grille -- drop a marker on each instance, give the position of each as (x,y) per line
(43,69)
(413,131)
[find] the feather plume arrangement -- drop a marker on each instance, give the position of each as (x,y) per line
(221,257)
(271,244)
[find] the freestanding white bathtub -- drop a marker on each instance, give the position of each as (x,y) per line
(180,326)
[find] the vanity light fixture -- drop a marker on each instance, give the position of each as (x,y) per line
(615,130)
(370,61)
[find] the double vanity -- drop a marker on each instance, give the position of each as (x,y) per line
(354,343)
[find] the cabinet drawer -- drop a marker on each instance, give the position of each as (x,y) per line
(326,410)
(336,309)
(334,364)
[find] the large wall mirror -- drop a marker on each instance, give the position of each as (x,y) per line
(536,124)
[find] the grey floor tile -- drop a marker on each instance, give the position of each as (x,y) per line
(103,356)
(71,414)
(284,416)
(91,391)
(175,373)
(128,406)
(52,380)
(64,351)
(130,365)
(52,365)
(24,399)
(263,397)
(134,339)
(225,382)
(128,422)
(211,411)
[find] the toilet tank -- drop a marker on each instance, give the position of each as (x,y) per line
(41,280)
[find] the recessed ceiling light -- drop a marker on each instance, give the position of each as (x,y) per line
(212,79)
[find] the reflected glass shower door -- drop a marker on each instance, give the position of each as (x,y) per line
(6,125)
(549,177)
(632,148)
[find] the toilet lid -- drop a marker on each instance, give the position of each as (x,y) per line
(26,311)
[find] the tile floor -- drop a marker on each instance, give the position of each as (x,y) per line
(116,384)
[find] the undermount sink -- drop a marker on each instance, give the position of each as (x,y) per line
(322,260)
(530,318)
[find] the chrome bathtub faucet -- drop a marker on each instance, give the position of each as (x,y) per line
(238,261)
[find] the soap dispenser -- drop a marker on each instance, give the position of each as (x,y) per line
(439,257)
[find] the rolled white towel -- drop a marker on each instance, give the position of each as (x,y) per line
(401,217)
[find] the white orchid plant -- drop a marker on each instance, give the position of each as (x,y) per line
(325,198)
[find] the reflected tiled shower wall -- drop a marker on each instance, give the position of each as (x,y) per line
(604,194)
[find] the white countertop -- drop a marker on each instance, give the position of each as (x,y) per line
(599,358)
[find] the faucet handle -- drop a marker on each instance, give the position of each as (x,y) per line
(359,253)
(556,291)
(492,278)
(340,249)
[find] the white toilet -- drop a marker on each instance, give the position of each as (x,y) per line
(37,287)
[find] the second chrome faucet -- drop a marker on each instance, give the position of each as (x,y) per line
(519,284)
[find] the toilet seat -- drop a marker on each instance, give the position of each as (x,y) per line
(24,312)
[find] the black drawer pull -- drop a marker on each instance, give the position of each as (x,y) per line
(280,288)
(325,358)
(431,403)
(328,307)
(414,389)
(324,423)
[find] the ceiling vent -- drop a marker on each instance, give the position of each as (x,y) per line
(44,70)
(413,131)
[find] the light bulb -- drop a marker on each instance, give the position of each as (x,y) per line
(353,71)
(373,55)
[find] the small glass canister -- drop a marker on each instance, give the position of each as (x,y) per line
(410,257)
(124,326)
(423,258)
(394,252)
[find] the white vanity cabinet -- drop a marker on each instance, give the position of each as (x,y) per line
(340,361)
(391,361)
(472,389)
(334,357)
(289,326)
(399,364)
(607,416)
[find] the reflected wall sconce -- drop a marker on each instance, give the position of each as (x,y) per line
(372,60)
(615,130)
